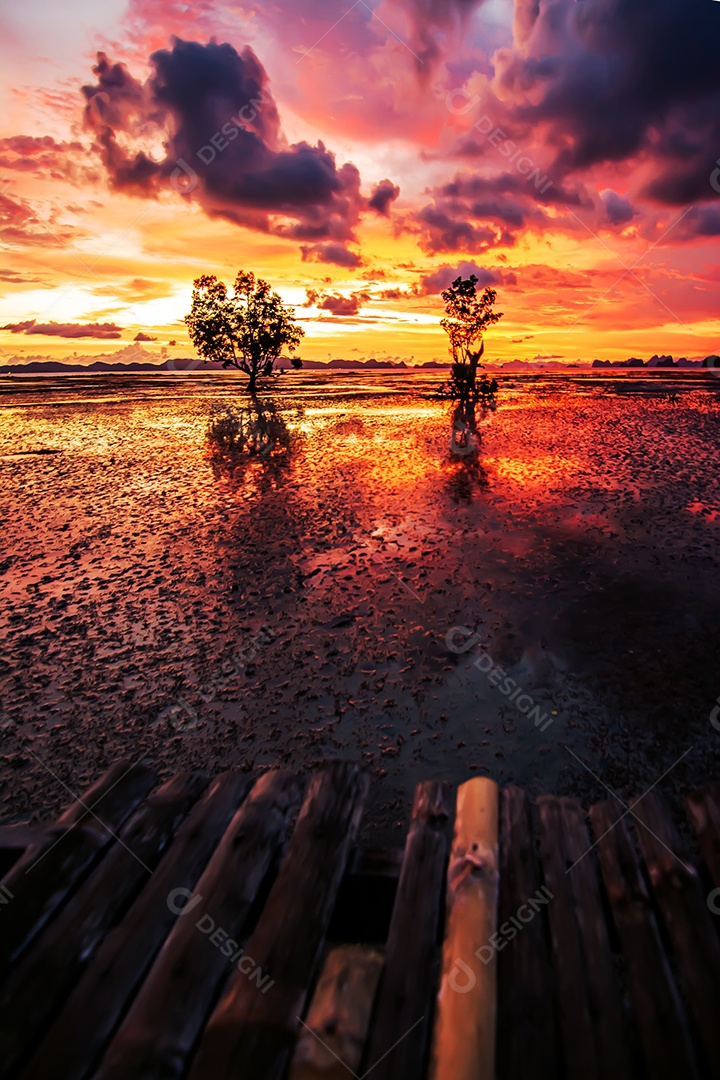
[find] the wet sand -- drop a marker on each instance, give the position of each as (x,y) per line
(160,602)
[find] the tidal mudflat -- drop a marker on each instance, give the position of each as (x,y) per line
(363,593)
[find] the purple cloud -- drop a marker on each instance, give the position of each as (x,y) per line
(224,146)
(65,330)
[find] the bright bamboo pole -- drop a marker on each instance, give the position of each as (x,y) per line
(463,1045)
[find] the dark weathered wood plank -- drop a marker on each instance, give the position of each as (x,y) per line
(45,875)
(35,990)
(602,983)
(658,1009)
(578,1038)
(686,916)
(15,840)
(167,1016)
(703,809)
(21,837)
(88,1019)
(400,1029)
(253,1032)
(526,1026)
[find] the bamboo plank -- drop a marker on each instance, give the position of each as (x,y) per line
(17,838)
(526,1025)
(43,877)
(686,916)
(14,841)
(251,1033)
(658,1009)
(87,1021)
(336,1027)
(35,990)
(164,1022)
(464,1034)
(401,1026)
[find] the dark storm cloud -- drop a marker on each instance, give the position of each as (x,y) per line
(508,186)
(474,213)
(619,211)
(436,25)
(442,229)
(223,145)
(445,275)
(613,79)
(383,195)
(336,254)
(621,83)
(701,221)
(335,303)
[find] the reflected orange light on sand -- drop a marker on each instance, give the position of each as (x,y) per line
(360,451)
(544,470)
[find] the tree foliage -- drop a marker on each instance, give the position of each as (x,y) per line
(468,316)
(246,330)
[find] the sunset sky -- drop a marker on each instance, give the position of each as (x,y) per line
(359,156)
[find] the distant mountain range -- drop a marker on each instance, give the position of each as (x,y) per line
(660,362)
(135,359)
(188,364)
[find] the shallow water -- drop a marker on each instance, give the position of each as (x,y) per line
(160,601)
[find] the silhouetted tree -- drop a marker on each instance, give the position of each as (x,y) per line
(246,330)
(468,316)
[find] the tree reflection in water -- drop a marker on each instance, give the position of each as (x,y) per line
(254,434)
(465,441)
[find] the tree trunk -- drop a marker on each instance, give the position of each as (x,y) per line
(252,385)
(474,360)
